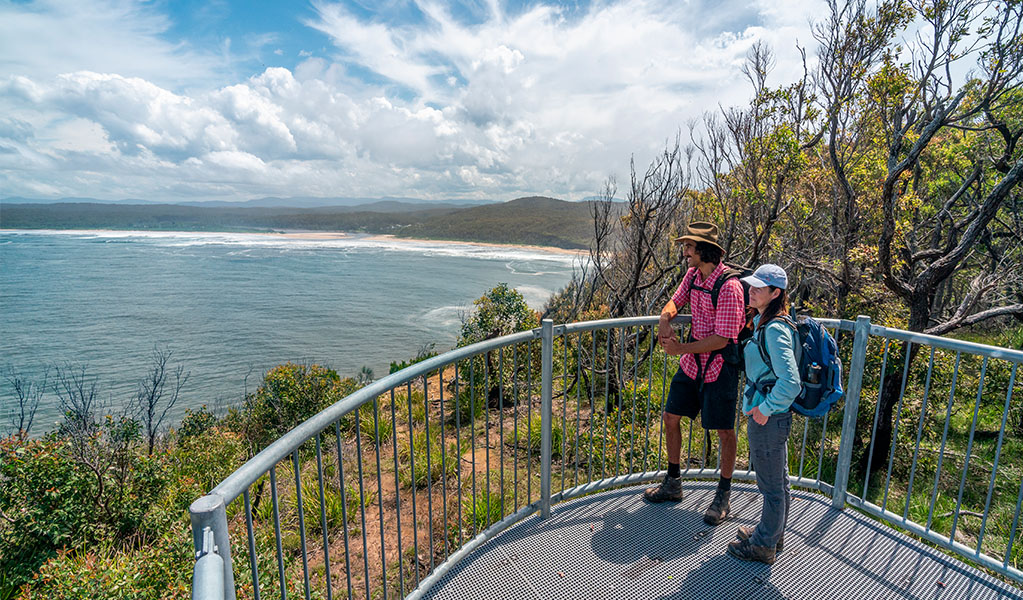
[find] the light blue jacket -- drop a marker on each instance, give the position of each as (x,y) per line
(779,338)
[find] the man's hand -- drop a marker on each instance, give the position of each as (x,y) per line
(758,416)
(665,331)
(671,345)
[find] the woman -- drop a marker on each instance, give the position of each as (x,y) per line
(771,386)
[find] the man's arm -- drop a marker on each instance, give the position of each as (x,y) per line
(707,344)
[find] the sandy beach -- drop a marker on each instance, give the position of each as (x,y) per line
(312,235)
(552,249)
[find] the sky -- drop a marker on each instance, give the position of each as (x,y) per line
(179,100)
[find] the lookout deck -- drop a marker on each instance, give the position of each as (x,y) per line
(615,545)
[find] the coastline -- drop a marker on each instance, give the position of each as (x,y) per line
(550,249)
(313,235)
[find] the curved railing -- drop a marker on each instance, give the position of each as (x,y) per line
(488,434)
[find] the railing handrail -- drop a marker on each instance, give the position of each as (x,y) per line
(209,520)
(208,577)
(935,341)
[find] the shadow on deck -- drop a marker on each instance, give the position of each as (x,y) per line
(615,545)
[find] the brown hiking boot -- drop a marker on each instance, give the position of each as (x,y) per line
(745,533)
(718,509)
(670,489)
(743,550)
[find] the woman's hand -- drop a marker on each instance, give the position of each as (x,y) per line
(758,416)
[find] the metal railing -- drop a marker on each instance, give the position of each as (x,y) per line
(383,492)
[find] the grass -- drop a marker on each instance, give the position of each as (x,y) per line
(481,510)
(420,463)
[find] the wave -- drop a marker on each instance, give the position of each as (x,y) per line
(445,316)
(535,296)
(182,239)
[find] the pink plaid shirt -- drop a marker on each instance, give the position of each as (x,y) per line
(727,321)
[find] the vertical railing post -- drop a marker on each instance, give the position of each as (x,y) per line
(211,512)
(852,406)
(546,384)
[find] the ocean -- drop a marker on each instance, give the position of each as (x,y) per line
(229,306)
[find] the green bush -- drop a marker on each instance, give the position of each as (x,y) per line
(72,491)
(196,422)
(485,380)
(425,352)
(289,395)
(196,464)
(150,572)
(48,499)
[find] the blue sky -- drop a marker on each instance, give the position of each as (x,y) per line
(231,99)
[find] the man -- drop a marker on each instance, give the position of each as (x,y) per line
(706,382)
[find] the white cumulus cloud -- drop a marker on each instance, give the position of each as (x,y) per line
(541,101)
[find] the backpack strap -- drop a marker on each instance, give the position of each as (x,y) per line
(762,343)
(714,290)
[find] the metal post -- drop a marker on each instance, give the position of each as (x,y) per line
(211,512)
(852,405)
(208,578)
(547,375)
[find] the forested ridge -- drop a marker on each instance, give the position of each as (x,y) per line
(539,221)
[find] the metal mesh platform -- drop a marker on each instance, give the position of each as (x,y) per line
(615,545)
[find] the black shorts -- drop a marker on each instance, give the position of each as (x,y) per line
(715,403)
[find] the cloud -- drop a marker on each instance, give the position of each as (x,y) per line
(45,38)
(482,103)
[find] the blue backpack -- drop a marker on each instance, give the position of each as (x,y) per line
(820,370)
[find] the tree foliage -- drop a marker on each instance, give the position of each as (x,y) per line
(290,394)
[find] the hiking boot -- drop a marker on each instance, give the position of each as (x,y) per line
(670,489)
(718,509)
(745,533)
(743,550)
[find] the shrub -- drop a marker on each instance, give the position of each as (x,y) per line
(501,311)
(196,422)
(195,464)
(149,572)
(72,492)
(48,498)
(289,395)
(425,352)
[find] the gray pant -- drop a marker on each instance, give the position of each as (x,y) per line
(768,448)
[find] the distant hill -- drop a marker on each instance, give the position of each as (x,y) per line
(535,220)
(388,203)
(174,217)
